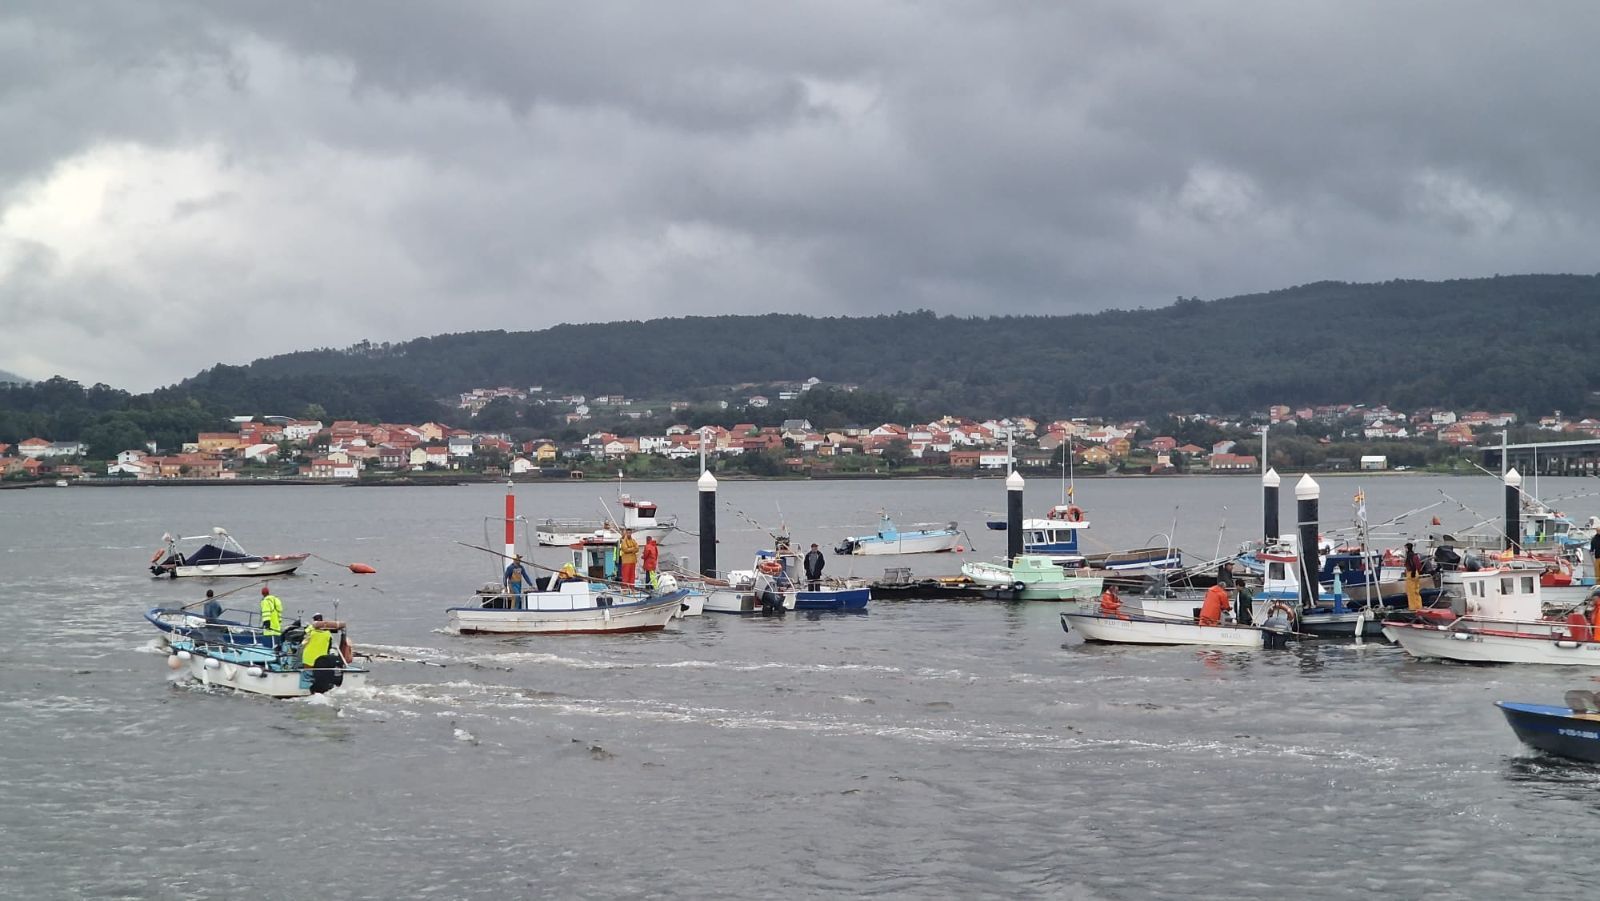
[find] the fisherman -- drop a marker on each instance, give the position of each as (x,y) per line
(814,563)
(1413,564)
(1446,558)
(1225,574)
(627,556)
(650,559)
(213,608)
(568,573)
(517,580)
(1111,603)
(1215,604)
(1594,554)
(319,639)
(271,613)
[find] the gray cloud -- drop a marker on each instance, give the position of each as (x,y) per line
(190,182)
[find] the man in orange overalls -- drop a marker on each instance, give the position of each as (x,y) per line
(1215,604)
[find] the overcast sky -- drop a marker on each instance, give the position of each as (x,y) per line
(185,183)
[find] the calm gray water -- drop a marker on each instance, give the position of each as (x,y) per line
(925,750)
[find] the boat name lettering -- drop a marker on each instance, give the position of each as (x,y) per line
(1579,733)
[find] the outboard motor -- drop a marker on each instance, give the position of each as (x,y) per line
(328,673)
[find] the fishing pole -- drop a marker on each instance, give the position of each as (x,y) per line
(219,597)
(549,569)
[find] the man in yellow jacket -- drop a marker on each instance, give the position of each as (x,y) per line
(319,639)
(271,613)
(627,556)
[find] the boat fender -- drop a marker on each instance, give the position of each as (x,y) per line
(174,663)
(184,655)
(211,663)
(255,671)
(1018,587)
(1566,643)
(1467,636)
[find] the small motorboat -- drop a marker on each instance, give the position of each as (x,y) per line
(1033,577)
(241,656)
(1571,731)
(890,539)
(220,555)
(1130,629)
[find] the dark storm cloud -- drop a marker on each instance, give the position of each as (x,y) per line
(314,175)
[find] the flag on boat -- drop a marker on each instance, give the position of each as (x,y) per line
(1361,505)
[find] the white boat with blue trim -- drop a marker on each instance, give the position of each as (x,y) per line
(890,539)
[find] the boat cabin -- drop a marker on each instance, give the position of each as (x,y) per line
(1496,594)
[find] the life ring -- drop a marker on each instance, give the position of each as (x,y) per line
(159,552)
(770,567)
(1074,513)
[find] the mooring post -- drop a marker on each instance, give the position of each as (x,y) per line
(708,524)
(1014,486)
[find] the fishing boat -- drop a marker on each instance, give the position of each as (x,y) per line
(890,539)
(559,603)
(220,555)
(640,517)
(1032,577)
(241,629)
(1130,629)
(1339,609)
(1572,730)
(240,656)
(774,584)
(1497,616)
(1057,536)
(897,584)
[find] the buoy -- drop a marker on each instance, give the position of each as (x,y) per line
(960,550)
(174,663)
(362,569)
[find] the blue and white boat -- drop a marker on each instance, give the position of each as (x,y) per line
(1351,595)
(1571,731)
(890,539)
(775,584)
(242,658)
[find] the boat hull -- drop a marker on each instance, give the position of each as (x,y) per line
(566,537)
(253,671)
(1115,630)
(1469,645)
(744,601)
(650,615)
(277,565)
(1556,730)
(833,599)
(875,546)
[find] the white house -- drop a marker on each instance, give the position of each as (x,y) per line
(1375,461)
(260,452)
(460,446)
(993,460)
(523,465)
(301,429)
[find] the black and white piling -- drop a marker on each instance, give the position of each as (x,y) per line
(1307,493)
(1014,486)
(708,524)
(1514,511)
(1269,506)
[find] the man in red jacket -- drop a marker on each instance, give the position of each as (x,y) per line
(1215,604)
(650,557)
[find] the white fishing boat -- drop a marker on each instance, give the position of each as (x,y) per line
(579,600)
(1497,617)
(890,539)
(1034,577)
(641,517)
(245,659)
(220,555)
(1130,629)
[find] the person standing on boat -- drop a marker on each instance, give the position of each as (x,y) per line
(814,563)
(1413,578)
(627,556)
(1594,554)
(213,608)
(271,613)
(517,580)
(650,559)
(1215,604)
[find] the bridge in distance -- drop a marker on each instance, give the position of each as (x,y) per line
(1551,458)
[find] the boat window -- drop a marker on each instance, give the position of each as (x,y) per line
(1477,589)
(1275,571)
(1507,585)
(1527,584)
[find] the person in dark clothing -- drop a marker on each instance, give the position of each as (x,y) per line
(213,608)
(1225,574)
(813,564)
(1594,554)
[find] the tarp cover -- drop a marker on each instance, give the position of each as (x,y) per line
(210,553)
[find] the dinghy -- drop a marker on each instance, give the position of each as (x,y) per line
(1572,730)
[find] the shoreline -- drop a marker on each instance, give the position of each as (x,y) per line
(476,478)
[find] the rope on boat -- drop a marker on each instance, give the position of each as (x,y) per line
(358,568)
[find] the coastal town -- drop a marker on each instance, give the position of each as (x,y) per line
(284,447)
